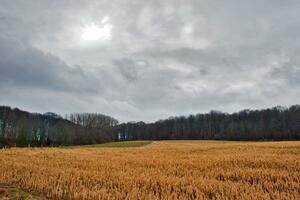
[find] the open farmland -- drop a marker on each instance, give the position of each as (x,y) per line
(160,170)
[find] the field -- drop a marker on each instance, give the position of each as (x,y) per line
(160,170)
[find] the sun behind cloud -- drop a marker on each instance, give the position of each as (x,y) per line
(95,32)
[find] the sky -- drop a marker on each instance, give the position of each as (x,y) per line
(148,60)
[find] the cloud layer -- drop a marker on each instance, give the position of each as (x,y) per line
(162,58)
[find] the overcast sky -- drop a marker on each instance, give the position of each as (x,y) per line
(147,60)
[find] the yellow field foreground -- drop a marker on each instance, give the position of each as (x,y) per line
(161,170)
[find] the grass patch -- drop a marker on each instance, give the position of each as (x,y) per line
(11,193)
(120,144)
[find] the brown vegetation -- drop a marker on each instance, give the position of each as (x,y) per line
(161,170)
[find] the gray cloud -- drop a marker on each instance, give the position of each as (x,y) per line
(162,58)
(25,66)
(127,68)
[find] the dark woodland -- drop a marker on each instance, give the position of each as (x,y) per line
(23,129)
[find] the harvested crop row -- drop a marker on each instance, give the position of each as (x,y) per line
(163,170)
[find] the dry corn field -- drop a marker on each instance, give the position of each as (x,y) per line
(161,170)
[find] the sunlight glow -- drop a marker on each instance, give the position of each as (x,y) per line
(94,32)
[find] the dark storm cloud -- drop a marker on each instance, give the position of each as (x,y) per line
(160,58)
(25,66)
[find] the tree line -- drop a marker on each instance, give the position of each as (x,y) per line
(21,128)
(278,123)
